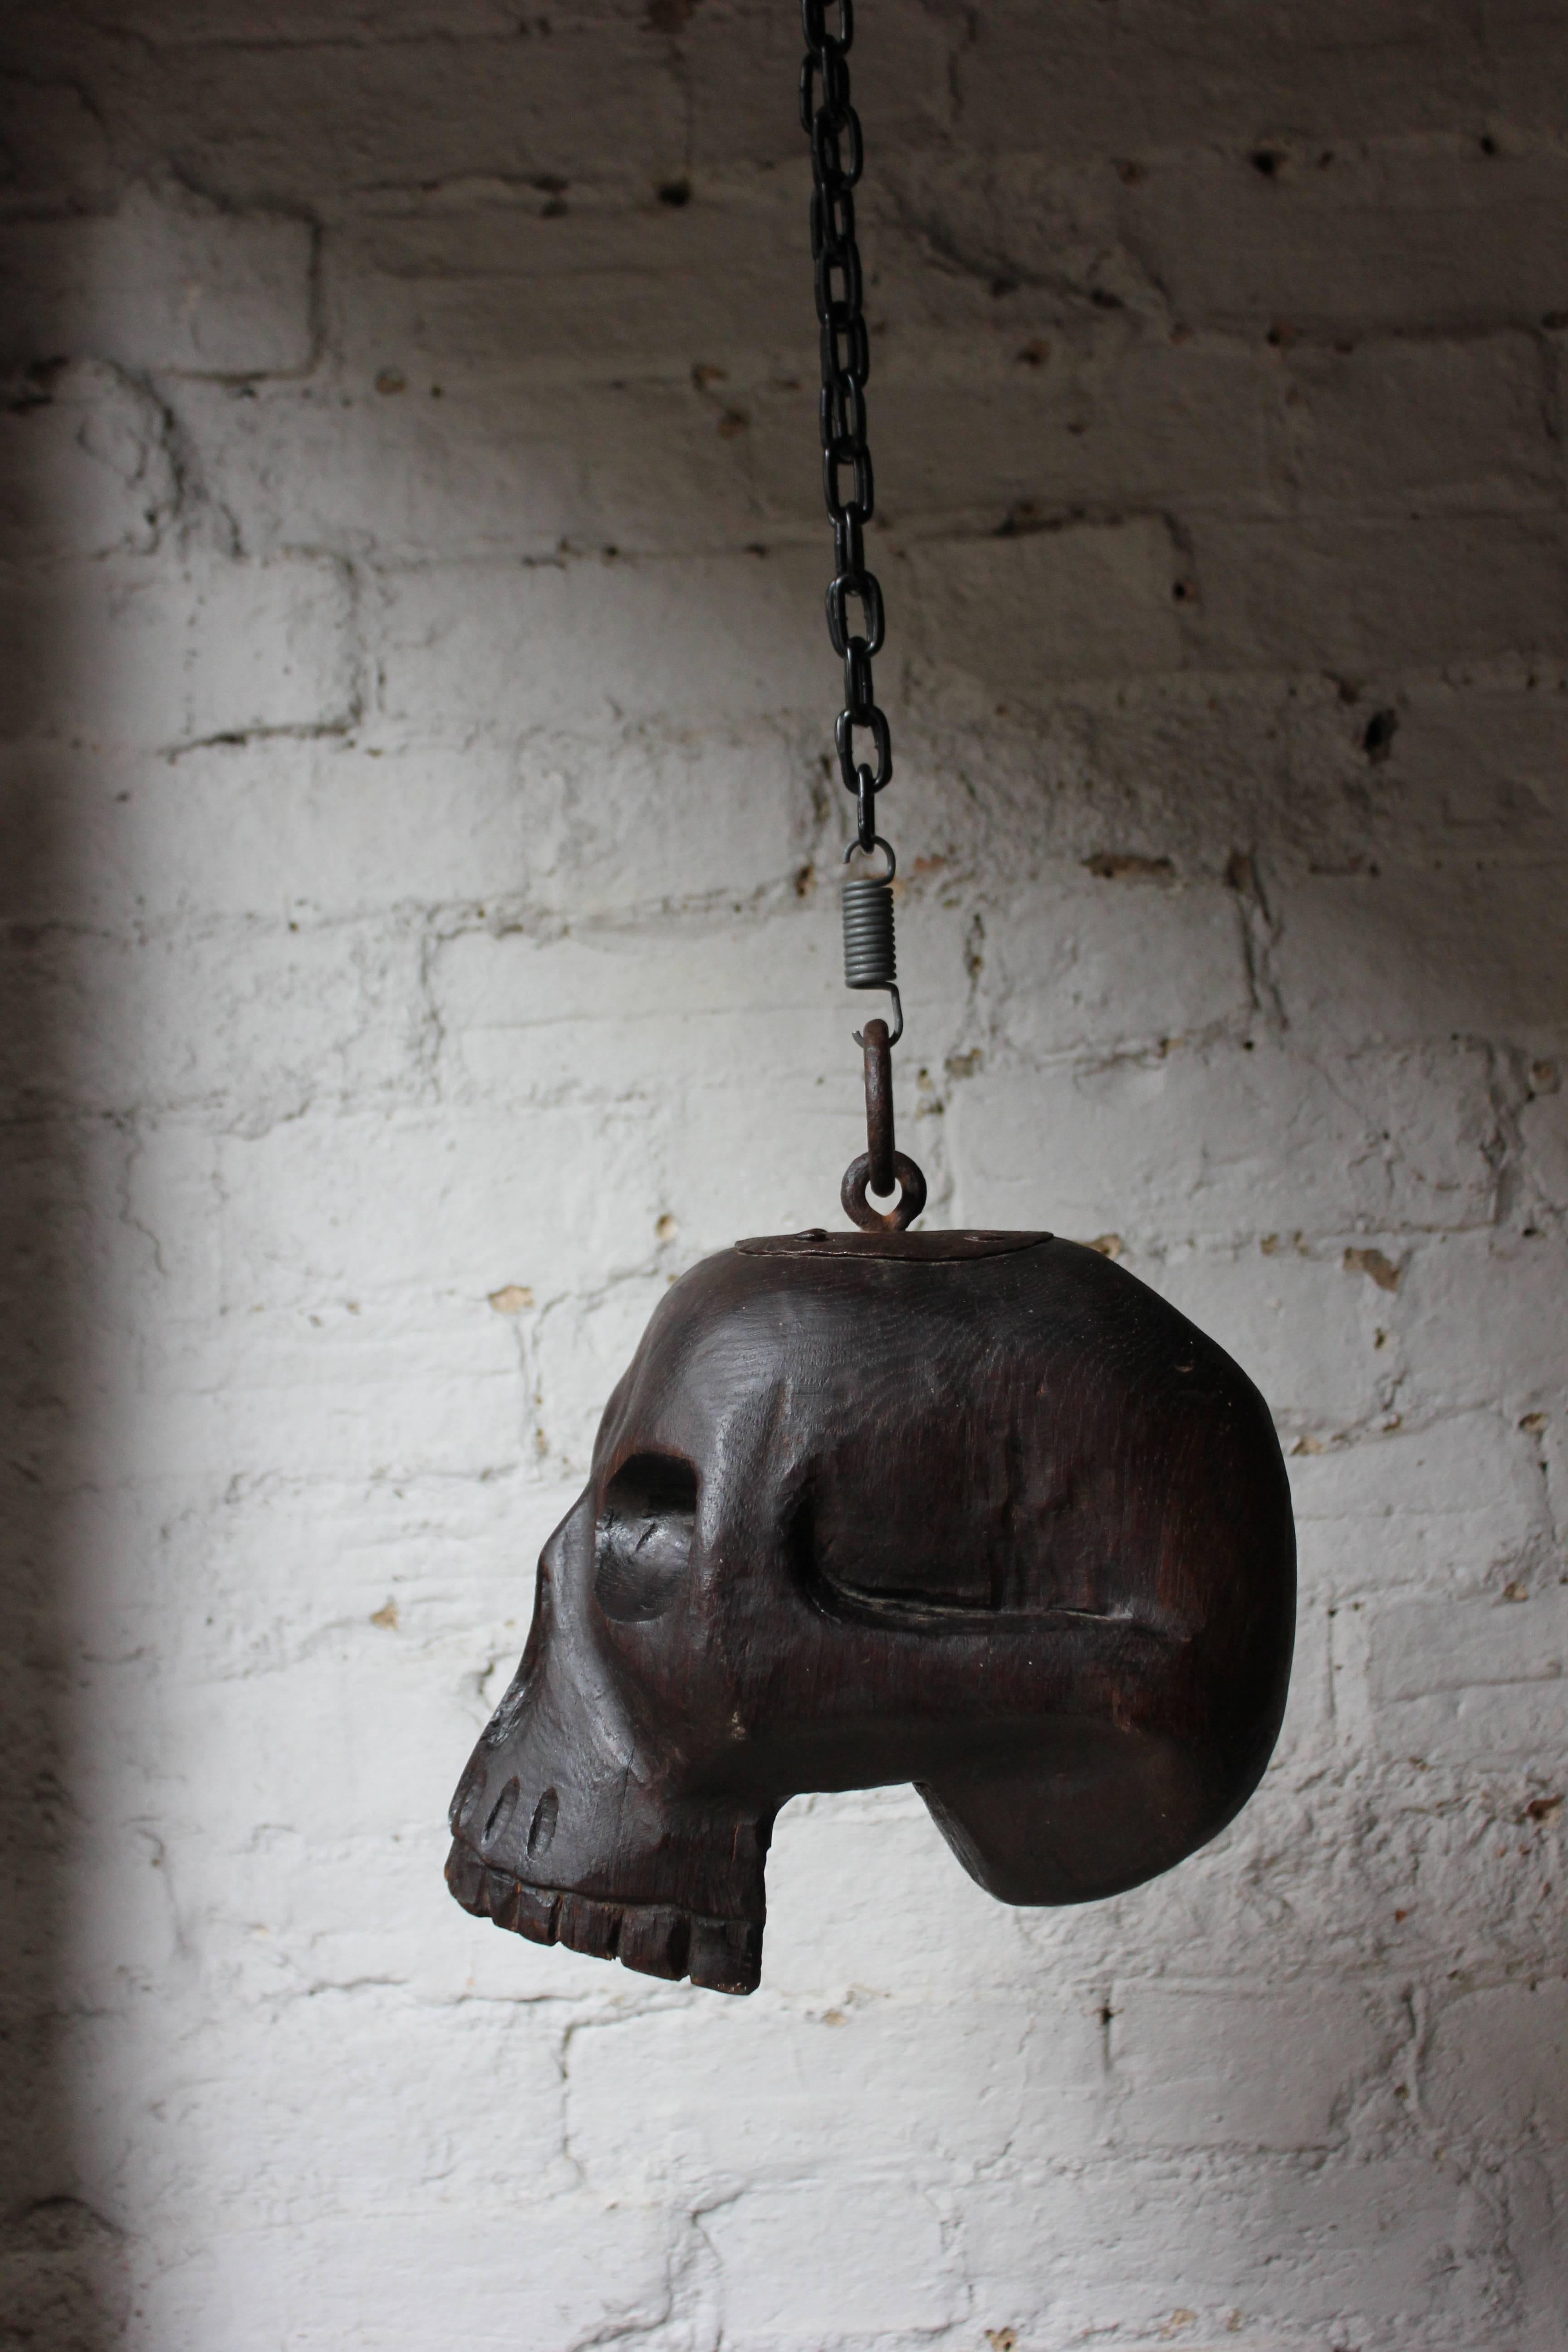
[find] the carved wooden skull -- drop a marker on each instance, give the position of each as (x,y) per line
(975,1510)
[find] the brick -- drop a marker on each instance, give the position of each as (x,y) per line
(56,146)
(1473,2082)
(1195,767)
(701,639)
(523,1013)
(52,1191)
(1513,1356)
(335,1411)
(716,814)
(1544,1128)
(461,1573)
(171,24)
(1551,1439)
(1427,233)
(271,1549)
(611,2274)
(1166,766)
(1529,71)
(1457,1677)
(1474,760)
(1350,597)
(1418,426)
(1310,1735)
(1014,615)
(1113,960)
(259,1019)
(1410,953)
(1284,2246)
(1186,1142)
(133,651)
(272,2080)
(600,294)
(434,105)
(1111,419)
(162,286)
(897,2277)
(1167,76)
(1429,1506)
(334,827)
(452,1167)
(1205,2069)
(86,469)
(491,466)
(780,2094)
(243,829)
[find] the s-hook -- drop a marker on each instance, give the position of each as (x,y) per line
(882,1165)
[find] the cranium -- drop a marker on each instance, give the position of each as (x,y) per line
(979,1511)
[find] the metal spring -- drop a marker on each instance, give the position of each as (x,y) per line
(870,959)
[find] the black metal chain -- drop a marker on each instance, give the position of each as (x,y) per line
(837,158)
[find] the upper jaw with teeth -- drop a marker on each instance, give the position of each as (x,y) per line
(658,1939)
(558,1833)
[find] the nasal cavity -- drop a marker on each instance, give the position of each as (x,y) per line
(465,1795)
(542,1828)
(643,1539)
(501,1811)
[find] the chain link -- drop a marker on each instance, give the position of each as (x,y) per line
(837,159)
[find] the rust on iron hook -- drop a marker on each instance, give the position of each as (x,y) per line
(879,1105)
(882,1165)
(858,1182)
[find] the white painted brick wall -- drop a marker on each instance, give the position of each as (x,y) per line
(421,945)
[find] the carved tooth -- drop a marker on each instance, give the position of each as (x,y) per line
(592,1927)
(503,1893)
(536,1914)
(727,1954)
(654,1940)
(466,1877)
(500,1889)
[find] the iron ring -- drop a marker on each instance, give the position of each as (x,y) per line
(858,1209)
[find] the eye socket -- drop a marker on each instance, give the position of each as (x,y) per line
(642,1545)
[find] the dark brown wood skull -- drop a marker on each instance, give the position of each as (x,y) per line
(975,1510)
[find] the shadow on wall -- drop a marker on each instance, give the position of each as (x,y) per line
(62,2273)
